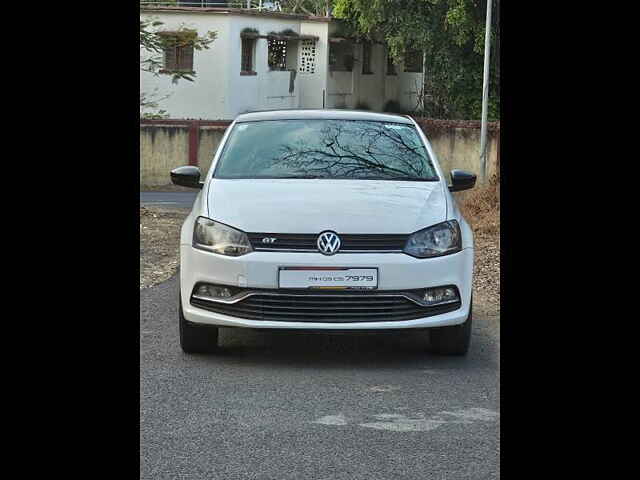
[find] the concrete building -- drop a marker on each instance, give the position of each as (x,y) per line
(264,60)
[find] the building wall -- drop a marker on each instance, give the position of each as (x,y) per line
(162,148)
(165,147)
(219,91)
(370,88)
(460,148)
(206,97)
(209,139)
(408,87)
(340,90)
(313,87)
(350,89)
(391,87)
(268,89)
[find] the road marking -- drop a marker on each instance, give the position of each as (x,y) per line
(472,414)
(401,423)
(332,420)
(383,388)
(418,422)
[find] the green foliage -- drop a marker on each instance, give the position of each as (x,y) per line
(289,33)
(154,115)
(305,7)
(451,32)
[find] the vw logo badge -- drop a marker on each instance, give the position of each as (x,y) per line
(328,243)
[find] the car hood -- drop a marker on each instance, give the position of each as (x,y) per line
(310,206)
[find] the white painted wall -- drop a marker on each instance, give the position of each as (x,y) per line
(268,89)
(348,89)
(391,87)
(205,97)
(314,86)
(341,90)
(371,87)
(408,84)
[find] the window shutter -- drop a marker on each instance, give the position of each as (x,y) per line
(247,55)
(170,58)
(186,58)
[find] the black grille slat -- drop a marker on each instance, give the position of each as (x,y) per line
(372,309)
(364,242)
(316,313)
(330,303)
(324,307)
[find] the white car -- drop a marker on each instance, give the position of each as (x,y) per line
(325,220)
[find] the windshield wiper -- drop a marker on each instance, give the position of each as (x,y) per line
(416,179)
(300,176)
(408,179)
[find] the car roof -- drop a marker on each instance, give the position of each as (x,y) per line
(322,114)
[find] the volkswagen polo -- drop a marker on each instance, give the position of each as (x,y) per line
(321,220)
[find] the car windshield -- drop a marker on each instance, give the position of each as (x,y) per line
(336,149)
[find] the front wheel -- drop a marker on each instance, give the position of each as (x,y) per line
(452,340)
(196,338)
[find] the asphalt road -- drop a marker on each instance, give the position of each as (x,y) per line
(286,406)
(168,199)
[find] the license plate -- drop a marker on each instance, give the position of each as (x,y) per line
(337,278)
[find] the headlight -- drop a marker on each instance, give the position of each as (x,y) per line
(441,239)
(219,238)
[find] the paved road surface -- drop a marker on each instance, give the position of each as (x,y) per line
(285,406)
(168,199)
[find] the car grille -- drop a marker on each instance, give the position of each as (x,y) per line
(307,242)
(325,307)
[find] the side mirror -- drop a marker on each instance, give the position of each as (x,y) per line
(187,176)
(461,180)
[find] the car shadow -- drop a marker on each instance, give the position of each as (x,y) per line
(283,348)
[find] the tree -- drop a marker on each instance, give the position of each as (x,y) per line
(307,7)
(450,32)
(153,43)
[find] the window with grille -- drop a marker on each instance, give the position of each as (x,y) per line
(366,59)
(413,61)
(277,54)
(178,55)
(247,55)
(391,67)
(307,62)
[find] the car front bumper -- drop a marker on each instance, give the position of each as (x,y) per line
(259,270)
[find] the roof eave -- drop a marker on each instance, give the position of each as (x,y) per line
(236,11)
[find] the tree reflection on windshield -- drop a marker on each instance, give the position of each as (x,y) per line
(325,149)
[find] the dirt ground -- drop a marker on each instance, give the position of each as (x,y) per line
(159,244)
(164,188)
(486,274)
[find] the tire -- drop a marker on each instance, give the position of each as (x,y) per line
(452,340)
(196,338)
